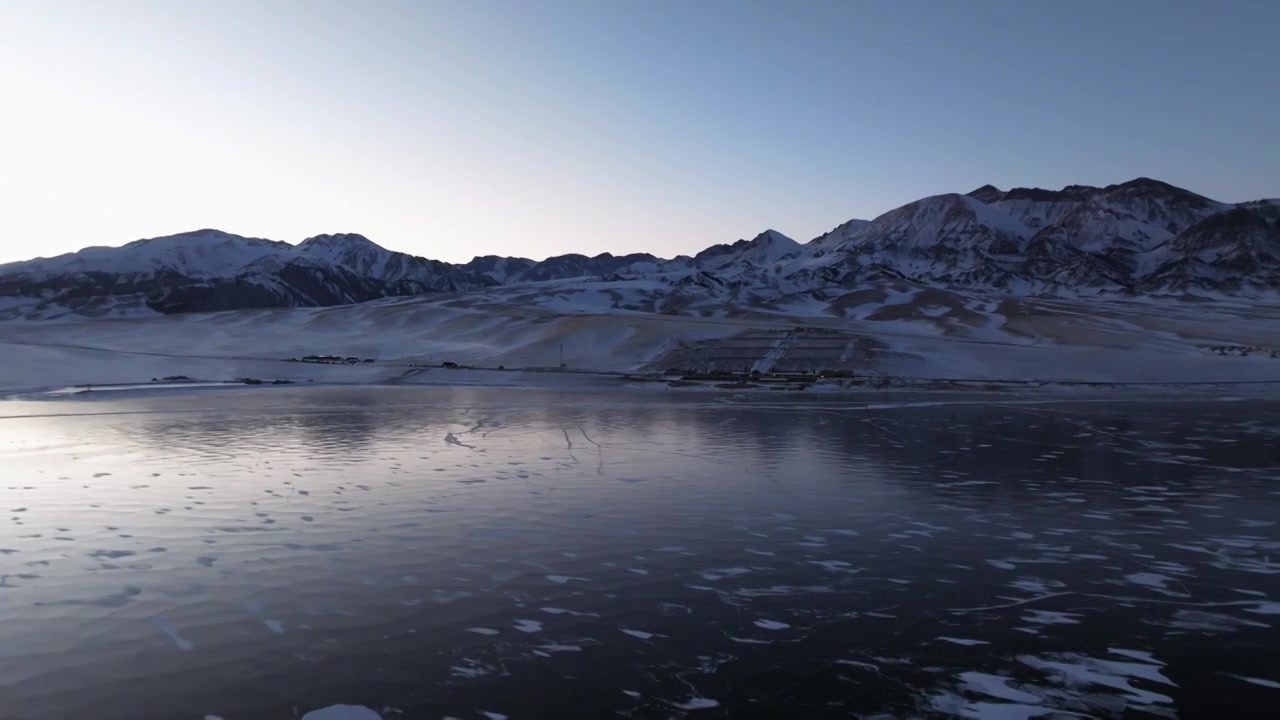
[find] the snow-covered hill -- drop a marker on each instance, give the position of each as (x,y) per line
(214,270)
(1142,236)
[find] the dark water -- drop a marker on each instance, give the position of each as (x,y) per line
(437,553)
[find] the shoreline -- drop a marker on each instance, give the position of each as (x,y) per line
(586,381)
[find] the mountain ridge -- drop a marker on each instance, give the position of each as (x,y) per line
(1141,236)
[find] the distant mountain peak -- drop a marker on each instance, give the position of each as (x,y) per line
(210,233)
(1035,194)
(1142,235)
(1145,186)
(1143,182)
(339,240)
(204,236)
(986,193)
(773,236)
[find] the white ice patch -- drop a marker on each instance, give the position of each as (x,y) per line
(528,626)
(833,565)
(771,625)
(722,573)
(1107,673)
(777,591)
(557,647)
(1266,608)
(1210,622)
(469,671)
(562,579)
(274,626)
(1156,582)
(956,706)
(963,641)
(696,703)
(342,712)
(997,687)
(1035,585)
(637,633)
(1259,682)
(1049,617)
(562,611)
(1139,655)
(482,631)
(858,664)
(171,632)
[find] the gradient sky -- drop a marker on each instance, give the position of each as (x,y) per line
(456,128)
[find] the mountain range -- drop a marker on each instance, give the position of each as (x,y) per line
(1143,236)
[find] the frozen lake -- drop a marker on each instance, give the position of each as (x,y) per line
(477,553)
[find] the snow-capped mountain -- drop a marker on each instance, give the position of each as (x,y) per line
(945,239)
(213,270)
(764,252)
(1225,250)
(508,271)
(199,254)
(502,270)
(1140,236)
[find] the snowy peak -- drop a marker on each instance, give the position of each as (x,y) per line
(1268,210)
(1145,186)
(836,237)
(1142,235)
(773,237)
(502,270)
(214,270)
(572,265)
(943,239)
(1231,250)
(987,194)
(942,222)
(200,253)
(1239,230)
(355,252)
(1037,240)
(339,242)
(760,252)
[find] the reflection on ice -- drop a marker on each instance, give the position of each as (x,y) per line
(475,553)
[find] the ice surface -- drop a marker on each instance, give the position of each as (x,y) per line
(697,703)
(997,687)
(340,515)
(562,579)
(1090,671)
(342,712)
(963,641)
(1259,682)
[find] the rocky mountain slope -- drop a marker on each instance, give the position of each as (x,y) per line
(213,270)
(1142,236)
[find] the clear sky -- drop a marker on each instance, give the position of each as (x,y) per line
(451,128)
